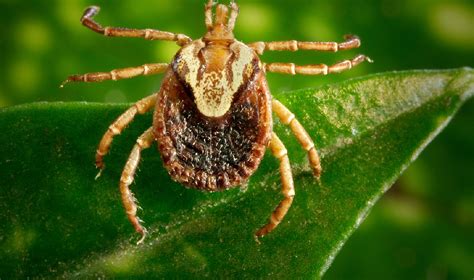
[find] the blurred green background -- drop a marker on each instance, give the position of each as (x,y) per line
(423,228)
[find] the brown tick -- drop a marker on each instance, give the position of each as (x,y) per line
(213,112)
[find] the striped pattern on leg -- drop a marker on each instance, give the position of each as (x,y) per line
(288,118)
(119,74)
(141,107)
(148,34)
(287,187)
(350,42)
(315,69)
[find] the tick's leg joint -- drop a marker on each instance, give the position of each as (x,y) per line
(351,42)
(141,107)
(148,34)
(128,173)
(315,69)
(288,118)
(119,74)
(288,190)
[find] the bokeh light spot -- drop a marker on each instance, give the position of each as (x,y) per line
(115,96)
(417,179)
(121,262)
(3,99)
(255,19)
(313,26)
(405,211)
(193,254)
(24,77)
(453,24)
(464,211)
(164,52)
(317,24)
(19,240)
(148,9)
(33,35)
(69,13)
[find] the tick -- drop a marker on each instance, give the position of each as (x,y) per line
(213,113)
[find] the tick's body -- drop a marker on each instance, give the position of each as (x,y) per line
(213,113)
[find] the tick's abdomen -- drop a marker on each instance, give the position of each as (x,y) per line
(206,152)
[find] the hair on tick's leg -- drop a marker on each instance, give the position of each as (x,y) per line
(128,173)
(141,107)
(287,187)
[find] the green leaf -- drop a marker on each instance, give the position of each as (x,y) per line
(58,221)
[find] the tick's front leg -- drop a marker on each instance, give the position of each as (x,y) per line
(128,173)
(287,187)
(148,34)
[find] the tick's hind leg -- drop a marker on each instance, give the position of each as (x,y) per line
(287,188)
(288,118)
(141,107)
(128,200)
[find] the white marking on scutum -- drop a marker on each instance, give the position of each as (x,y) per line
(214,92)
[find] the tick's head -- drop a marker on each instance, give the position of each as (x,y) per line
(220,27)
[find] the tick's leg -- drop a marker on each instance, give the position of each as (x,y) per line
(287,188)
(148,34)
(119,74)
(128,200)
(208,14)
(233,15)
(141,107)
(316,69)
(288,118)
(350,42)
